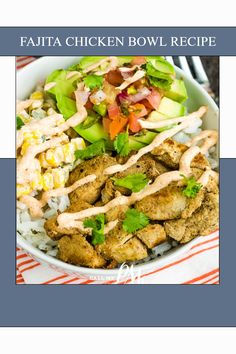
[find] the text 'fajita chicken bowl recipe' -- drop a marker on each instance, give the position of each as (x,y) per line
(112,167)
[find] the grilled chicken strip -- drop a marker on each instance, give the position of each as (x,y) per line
(170,152)
(90,192)
(77,250)
(202,222)
(56,232)
(152,235)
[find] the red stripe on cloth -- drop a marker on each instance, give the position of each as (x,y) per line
(204,242)
(217,282)
(20,281)
(57,278)
(209,280)
(28,61)
(71,280)
(22,256)
(31,267)
(201,276)
(22,58)
(172,264)
(26,262)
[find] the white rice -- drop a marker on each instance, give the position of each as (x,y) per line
(32,230)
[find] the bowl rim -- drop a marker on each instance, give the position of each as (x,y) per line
(152,264)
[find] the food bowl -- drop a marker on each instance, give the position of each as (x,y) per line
(27,79)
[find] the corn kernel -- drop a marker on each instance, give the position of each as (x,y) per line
(43,161)
(78,143)
(59,178)
(47,180)
(37,183)
(22,189)
(37,95)
(69,153)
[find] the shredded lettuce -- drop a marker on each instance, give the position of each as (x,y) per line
(93,81)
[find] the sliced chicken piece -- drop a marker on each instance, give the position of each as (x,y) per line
(75,249)
(132,250)
(56,232)
(115,238)
(170,152)
(90,192)
(152,235)
(166,204)
(117,213)
(202,222)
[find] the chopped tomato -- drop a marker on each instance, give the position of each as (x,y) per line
(113,110)
(147,105)
(106,123)
(88,105)
(134,125)
(116,126)
(154,98)
(114,77)
(138,61)
(139,110)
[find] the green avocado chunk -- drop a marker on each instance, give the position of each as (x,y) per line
(134,144)
(171,108)
(146,138)
(177,91)
(93,133)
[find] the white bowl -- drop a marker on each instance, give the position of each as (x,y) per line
(27,78)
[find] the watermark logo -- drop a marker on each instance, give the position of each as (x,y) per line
(127,274)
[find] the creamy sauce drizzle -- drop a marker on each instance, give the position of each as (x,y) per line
(49,85)
(130,80)
(162,123)
(22,105)
(210,136)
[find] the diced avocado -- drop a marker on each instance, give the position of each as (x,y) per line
(146,138)
(100,109)
(92,134)
(177,91)
(134,144)
(155,116)
(171,108)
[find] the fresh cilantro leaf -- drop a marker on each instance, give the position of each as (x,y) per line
(192,187)
(135,182)
(93,81)
(121,144)
(95,149)
(19,123)
(134,220)
(97,226)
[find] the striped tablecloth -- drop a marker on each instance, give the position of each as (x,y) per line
(200,265)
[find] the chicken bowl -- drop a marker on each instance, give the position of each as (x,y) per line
(116,164)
